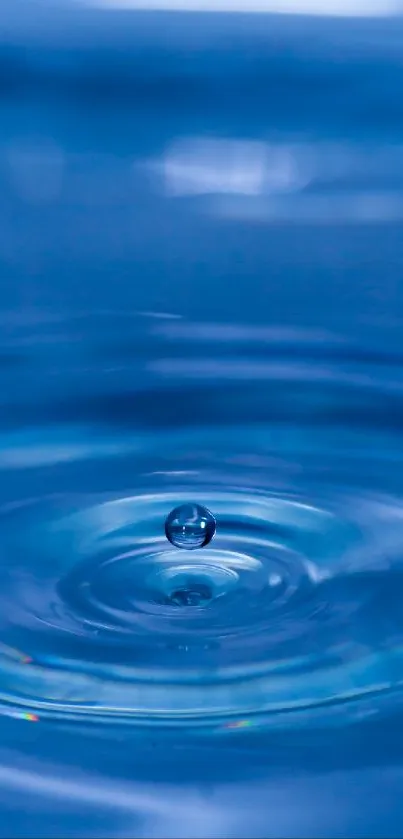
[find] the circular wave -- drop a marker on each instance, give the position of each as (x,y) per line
(294,608)
(292,614)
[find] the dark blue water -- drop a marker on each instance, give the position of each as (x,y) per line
(201,255)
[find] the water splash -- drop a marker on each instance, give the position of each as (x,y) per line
(285,614)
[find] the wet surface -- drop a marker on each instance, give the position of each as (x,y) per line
(201,304)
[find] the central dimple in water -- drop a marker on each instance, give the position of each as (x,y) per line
(192,593)
(192,583)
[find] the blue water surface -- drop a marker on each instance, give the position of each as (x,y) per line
(201,259)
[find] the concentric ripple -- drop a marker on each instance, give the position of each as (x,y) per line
(296,606)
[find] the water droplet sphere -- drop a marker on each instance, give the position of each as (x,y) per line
(190,526)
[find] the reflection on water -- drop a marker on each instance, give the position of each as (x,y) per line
(201,308)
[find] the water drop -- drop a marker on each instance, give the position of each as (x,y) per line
(190,526)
